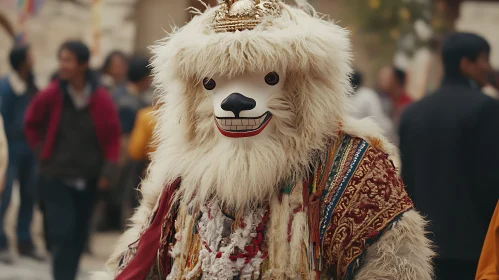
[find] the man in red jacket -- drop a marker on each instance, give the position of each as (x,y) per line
(74,128)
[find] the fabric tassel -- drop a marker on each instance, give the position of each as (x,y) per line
(299,239)
(314,208)
(278,238)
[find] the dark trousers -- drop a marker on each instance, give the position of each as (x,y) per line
(21,167)
(455,269)
(67,212)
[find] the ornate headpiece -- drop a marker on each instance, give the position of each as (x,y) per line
(244,14)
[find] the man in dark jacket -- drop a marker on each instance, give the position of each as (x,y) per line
(16,92)
(450,160)
(74,128)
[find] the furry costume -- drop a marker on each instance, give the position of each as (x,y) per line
(259,174)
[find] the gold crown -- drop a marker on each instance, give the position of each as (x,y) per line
(241,15)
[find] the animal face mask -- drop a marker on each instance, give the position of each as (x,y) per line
(241,104)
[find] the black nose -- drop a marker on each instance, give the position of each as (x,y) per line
(237,102)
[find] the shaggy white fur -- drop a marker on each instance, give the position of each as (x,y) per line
(245,172)
(248,170)
(402,253)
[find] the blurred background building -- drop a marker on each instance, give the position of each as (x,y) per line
(406,32)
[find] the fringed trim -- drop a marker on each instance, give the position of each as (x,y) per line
(215,252)
(184,225)
(288,242)
(299,247)
(278,238)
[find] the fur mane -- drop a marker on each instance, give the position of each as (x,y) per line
(316,57)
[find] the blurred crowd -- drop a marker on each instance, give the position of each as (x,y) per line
(448,158)
(79,147)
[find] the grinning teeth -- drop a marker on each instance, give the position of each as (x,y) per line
(239,127)
(241,124)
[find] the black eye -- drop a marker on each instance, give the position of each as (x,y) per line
(272,78)
(209,84)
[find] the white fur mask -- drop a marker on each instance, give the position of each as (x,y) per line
(241,104)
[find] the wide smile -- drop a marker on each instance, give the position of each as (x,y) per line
(243,127)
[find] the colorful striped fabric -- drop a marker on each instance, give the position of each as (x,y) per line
(362,196)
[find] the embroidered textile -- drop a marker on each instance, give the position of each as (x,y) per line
(353,196)
(363,196)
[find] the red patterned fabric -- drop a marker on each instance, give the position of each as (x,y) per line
(147,251)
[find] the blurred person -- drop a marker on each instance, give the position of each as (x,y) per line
(114,71)
(449,159)
(488,266)
(367,104)
(492,88)
(4,156)
(139,149)
(141,139)
(425,70)
(491,91)
(16,92)
(54,76)
(392,82)
(495,79)
(74,128)
(129,100)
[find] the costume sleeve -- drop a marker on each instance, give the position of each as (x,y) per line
(139,139)
(35,121)
(488,267)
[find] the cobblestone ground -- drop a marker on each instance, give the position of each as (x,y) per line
(28,269)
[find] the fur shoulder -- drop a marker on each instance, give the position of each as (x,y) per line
(368,130)
(402,253)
